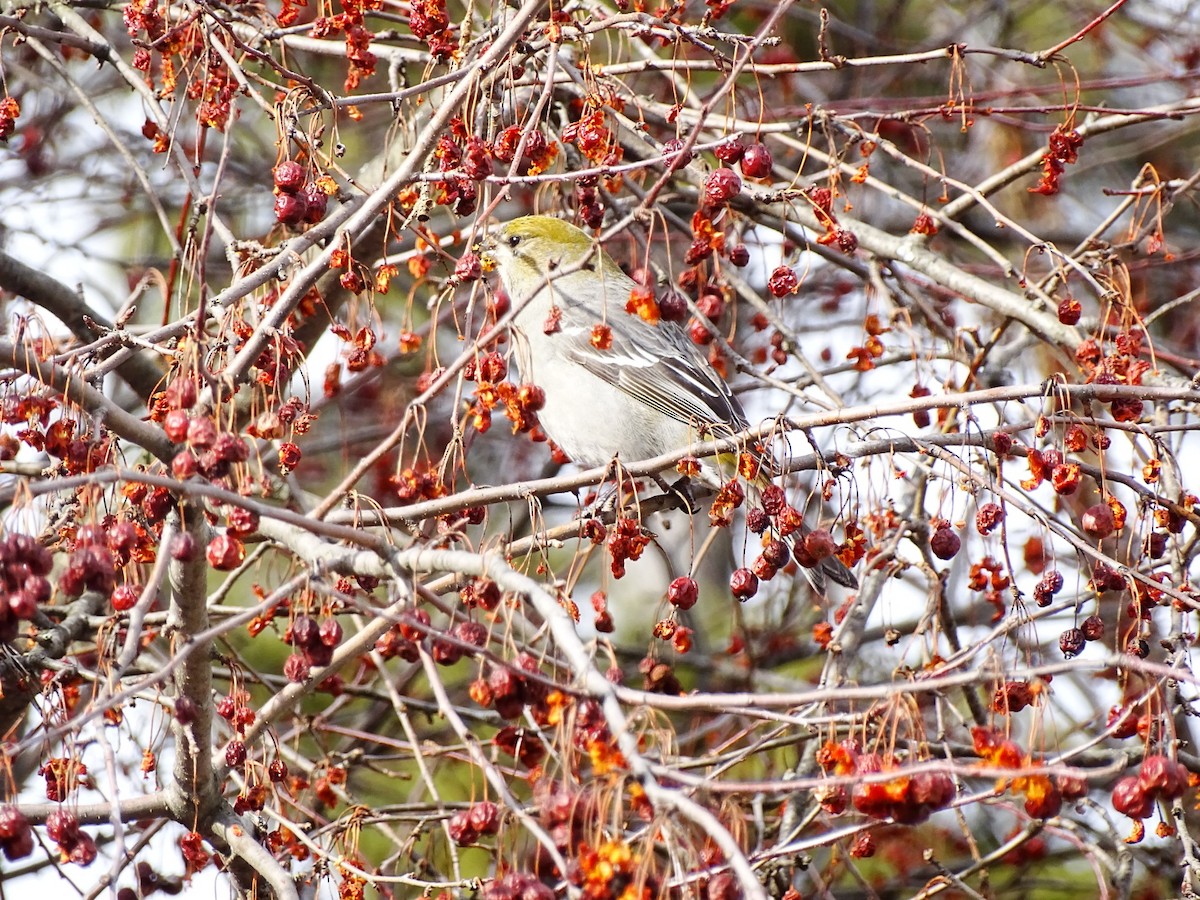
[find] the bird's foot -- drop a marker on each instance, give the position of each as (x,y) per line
(682,491)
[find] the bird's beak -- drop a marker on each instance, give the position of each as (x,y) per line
(486,258)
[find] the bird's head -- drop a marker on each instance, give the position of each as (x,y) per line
(531,249)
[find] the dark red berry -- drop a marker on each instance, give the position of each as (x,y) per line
(743,584)
(721,186)
(945,543)
(290,209)
(683,592)
(676,159)
(783,281)
(756,161)
(289,176)
(731,151)
(317,200)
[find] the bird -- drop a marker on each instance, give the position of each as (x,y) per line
(642,390)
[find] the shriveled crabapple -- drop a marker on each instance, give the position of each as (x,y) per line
(468,268)
(290,209)
(683,592)
(783,281)
(672,307)
(1071,642)
(721,186)
(1098,521)
(988,516)
(730,151)
(289,176)
(1160,776)
(673,151)
(1092,628)
(945,543)
(777,553)
(62,827)
(743,584)
(1130,799)
(296,668)
(316,203)
(819,544)
(16,835)
(756,161)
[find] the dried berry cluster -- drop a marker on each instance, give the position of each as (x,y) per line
(521,402)
(464,638)
(906,797)
(314,645)
(1159,778)
(297,199)
(74,844)
(24,565)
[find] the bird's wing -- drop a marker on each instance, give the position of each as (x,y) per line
(658,365)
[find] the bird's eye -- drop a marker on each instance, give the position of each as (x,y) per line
(514,240)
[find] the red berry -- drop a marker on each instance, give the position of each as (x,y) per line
(683,592)
(1093,628)
(181,393)
(731,151)
(783,281)
(776,553)
(743,584)
(83,851)
(1069,311)
(757,521)
(235,754)
(1164,777)
(296,668)
(225,553)
(289,176)
(819,544)
(739,256)
(305,632)
(460,829)
(290,209)
(330,633)
(124,597)
(176,424)
(1070,642)
(721,186)
(485,817)
(672,307)
(1098,521)
(988,517)
(183,547)
(468,268)
(62,827)
(22,605)
(1130,799)
(317,202)
(414,632)
(677,159)
(183,465)
(470,633)
(12,823)
(945,544)
(477,163)
(756,161)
